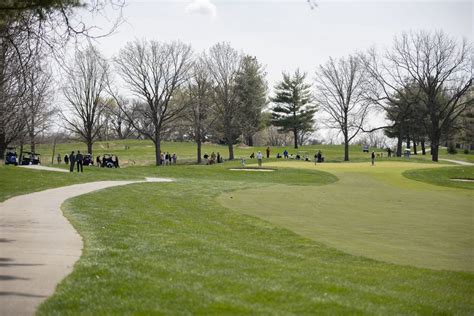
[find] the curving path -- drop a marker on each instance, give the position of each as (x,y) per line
(38,246)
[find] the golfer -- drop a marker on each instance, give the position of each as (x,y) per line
(72,159)
(373,158)
(259,158)
(79,159)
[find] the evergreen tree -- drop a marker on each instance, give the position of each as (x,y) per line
(293,110)
(251,90)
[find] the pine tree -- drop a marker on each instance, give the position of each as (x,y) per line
(251,89)
(293,110)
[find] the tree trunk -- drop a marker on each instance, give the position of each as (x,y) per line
(434,147)
(89,147)
(199,144)
(3,145)
(400,141)
(295,134)
(157,142)
(414,148)
(423,149)
(346,149)
(250,140)
(231,151)
(32,143)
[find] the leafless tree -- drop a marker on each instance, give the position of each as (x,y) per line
(340,92)
(85,88)
(439,65)
(199,92)
(154,71)
(12,89)
(223,63)
(38,111)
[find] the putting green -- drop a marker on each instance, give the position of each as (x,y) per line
(373,212)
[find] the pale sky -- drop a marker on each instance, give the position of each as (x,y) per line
(285,35)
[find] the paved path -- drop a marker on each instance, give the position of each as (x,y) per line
(459,162)
(38,245)
(39,167)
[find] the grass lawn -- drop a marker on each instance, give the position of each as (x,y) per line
(373,212)
(299,240)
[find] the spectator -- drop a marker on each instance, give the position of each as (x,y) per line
(59,159)
(259,158)
(79,159)
(72,159)
(268,152)
(98,161)
(252,155)
(213,158)
(219,158)
(116,162)
(373,158)
(66,159)
(174,158)
(285,154)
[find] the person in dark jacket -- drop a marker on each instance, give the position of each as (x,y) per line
(79,159)
(373,158)
(72,159)
(116,162)
(66,159)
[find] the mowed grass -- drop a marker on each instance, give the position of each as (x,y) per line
(373,212)
(448,177)
(173,249)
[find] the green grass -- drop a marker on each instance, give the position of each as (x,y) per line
(373,212)
(148,250)
(299,240)
(444,176)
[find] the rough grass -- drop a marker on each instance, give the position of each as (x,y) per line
(444,176)
(171,249)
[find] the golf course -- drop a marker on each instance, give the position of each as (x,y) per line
(303,238)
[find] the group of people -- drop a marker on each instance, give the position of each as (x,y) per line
(213,158)
(73,160)
(79,161)
(168,159)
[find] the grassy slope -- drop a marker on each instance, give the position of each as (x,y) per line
(149,250)
(373,212)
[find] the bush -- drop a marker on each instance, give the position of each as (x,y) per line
(452,149)
(466,151)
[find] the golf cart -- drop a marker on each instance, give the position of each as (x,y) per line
(11,157)
(365,149)
(107,161)
(29,158)
(88,160)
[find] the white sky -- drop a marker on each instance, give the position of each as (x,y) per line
(285,35)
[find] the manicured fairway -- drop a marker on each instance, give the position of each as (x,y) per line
(373,212)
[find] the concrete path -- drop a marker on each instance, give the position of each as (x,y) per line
(38,245)
(459,162)
(39,167)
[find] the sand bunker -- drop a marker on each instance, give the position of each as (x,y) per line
(463,180)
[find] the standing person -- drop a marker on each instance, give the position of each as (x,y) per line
(268,152)
(98,161)
(389,151)
(72,159)
(169,158)
(373,158)
(59,159)
(174,158)
(259,158)
(66,159)
(79,159)
(116,162)
(213,158)
(285,154)
(218,158)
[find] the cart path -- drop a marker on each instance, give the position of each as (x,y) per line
(38,245)
(39,167)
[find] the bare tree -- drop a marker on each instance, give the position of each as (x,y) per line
(224,63)
(340,92)
(38,111)
(440,66)
(85,87)
(12,88)
(154,71)
(199,93)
